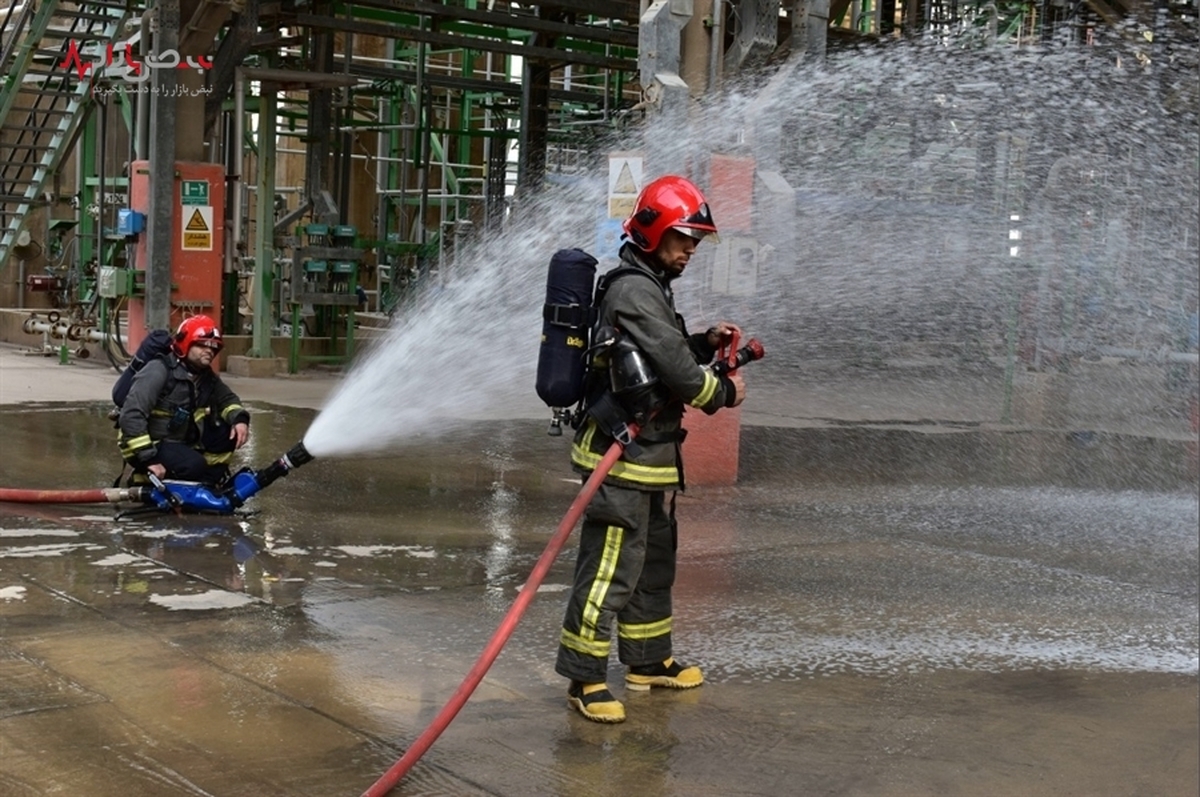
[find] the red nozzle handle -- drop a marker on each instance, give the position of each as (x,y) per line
(727,364)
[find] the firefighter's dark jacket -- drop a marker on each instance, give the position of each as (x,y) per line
(642,308)
(168,402)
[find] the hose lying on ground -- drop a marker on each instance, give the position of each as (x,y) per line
(103,495)
(505,630)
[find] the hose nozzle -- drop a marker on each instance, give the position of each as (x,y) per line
(296,456)
(753,350)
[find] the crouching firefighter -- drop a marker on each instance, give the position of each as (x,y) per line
(649,371)
(179,420)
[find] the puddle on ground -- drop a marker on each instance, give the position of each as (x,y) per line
(833,607)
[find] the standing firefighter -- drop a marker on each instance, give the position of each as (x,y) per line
(626,565)
(180,421)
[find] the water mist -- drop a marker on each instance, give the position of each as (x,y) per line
(467,349)
(934,201)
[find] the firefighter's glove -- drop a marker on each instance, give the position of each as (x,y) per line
(144,457)
(735,389)
(730,391)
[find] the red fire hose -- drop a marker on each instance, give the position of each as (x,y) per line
(103,495)
(505,630)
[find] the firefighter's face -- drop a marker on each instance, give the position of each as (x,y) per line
(674,251)
(201,354)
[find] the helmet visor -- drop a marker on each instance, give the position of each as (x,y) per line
(207,337)
(699,235)
(698,225)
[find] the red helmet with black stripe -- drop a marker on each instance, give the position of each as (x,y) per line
(669,202)
(197,330)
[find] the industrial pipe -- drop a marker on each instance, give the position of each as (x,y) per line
(93,334)
(34,326)
(716,51)
(74,332)
(1152,356)
(238,147)
(141,138)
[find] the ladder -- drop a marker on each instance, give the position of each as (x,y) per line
(44,100)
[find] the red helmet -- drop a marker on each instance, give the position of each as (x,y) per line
(669,202)
(197,330)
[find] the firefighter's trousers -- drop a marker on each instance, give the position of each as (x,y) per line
(625,571)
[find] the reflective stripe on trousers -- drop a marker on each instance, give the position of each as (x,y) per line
(624,573)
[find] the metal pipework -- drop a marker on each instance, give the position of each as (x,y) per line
(58,329)
(93,334)
(35,326)
(237,147)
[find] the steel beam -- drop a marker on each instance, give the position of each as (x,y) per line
(755,35)
(264,226)
(524,20)
(457,41)
(161,217)
(810,28)
(659,59)
(230,53)
(507,88)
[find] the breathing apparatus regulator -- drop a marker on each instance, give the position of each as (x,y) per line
(632,382)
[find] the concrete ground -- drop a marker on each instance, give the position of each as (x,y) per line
(902,595)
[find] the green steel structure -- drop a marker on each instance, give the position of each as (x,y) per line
(412,122)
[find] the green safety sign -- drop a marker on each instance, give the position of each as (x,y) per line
(194,192)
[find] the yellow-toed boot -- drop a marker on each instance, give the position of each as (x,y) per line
(669,673)
(595,702)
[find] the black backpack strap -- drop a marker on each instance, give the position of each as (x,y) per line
(611,418)
(606,280)
(574,316)
(120,476)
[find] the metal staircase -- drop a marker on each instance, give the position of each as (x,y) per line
(43,98)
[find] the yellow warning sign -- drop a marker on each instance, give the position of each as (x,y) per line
(621,207)
(197,232)
(624,182)
(197,223)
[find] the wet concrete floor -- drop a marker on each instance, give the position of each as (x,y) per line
(877,612)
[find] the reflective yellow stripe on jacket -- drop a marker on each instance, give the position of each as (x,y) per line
(652,475)
(706,393)
(134,444)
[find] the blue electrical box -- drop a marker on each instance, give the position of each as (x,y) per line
(130,222)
